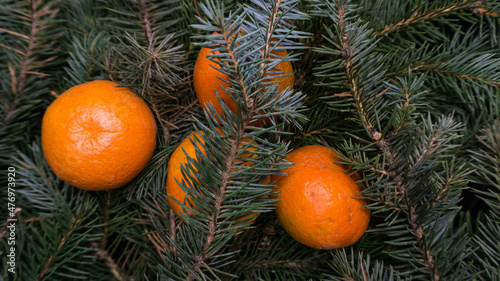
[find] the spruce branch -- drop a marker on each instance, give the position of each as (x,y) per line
(106,219)
(424,15)
(147,56)
(486,164)
(76,221)
(269,251)
(406,159)
(356,266)
(19,82)
(406,90)
(347,54)
(28,64)
(418,231)
(156,212)
(437,68)
(233,63)
(220,196)
(488,255)
(234,145)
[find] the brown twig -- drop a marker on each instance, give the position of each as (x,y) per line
(496,83)
(275,263)
(104,255)
(478,10)
(106,219)
(195,3)
(173,232)
(147,23)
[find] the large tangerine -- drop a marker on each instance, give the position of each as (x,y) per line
(317,207)
(98,135)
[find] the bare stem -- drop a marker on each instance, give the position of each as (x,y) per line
(147,23)
(115,269)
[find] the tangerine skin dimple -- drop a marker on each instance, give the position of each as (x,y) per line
(316,207)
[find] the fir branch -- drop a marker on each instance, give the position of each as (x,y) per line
(238,77)
(50,261)
(160,244)
(419,16)
(268,249)
(157,71)
(487,240)
(346,53)
(394,191)
(269,33)
(26,65)
(471,77)
(219,198)
(357,266)
(355,88)
(437,67)
(486,164)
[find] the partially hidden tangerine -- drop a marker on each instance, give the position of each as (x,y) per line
(174,173)
(208,80)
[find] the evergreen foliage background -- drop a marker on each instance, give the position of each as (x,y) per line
(408,91)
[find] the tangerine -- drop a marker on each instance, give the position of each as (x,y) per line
(174,174)
(208,80)
(98,135)
(317,207)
